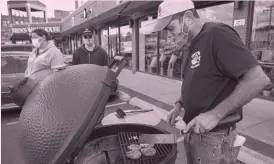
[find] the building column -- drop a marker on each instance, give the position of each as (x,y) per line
(70,46)
(119,40)
(241,19)
(10,15)
(135,46)
(45,16)
(28,9)
(99,37)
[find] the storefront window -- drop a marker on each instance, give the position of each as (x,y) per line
(104,39)
(220,13)
(148,59)
(262,31)
(262,40)
(113,42)
(126,43)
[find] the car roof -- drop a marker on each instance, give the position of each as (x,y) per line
(16,45)
(21,53)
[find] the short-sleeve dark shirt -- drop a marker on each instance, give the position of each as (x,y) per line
(218,59)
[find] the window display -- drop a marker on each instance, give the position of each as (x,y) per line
(170,62)
(220,13)
(113,42)
(126,43)
(148,48)
(104,40)
(262,39)
(262,31)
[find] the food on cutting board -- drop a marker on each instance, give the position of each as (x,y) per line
(134,147)
(148,152)
(133,154)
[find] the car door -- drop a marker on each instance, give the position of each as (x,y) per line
(21,62)
(8,77)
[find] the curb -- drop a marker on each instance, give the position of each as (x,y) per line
(249,156)
(246,155)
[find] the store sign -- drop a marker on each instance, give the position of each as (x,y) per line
(239,22)
(86,13)
(52,29)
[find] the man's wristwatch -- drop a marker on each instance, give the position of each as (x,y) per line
(179,102)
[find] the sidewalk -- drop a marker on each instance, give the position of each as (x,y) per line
(257,125)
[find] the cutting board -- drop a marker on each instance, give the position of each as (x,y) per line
(148,118)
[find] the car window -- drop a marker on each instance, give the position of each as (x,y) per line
(23,48)
(7,65)
(21,63)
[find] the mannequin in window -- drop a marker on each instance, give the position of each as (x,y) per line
(153,63)
(169,51)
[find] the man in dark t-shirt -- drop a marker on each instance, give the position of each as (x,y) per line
(89,52)
(220,77)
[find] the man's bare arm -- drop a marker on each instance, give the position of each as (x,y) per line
(248,87)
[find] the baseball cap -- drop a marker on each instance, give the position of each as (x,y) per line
(167,9)
(87,31)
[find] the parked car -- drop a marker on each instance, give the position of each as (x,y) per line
(17,47)
(68,59)
(13,66)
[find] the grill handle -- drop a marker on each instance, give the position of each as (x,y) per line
(122,63)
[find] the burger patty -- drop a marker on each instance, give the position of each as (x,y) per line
(133,154)
(148,152)
(134,147)
(147,145)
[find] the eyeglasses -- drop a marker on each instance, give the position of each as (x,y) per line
(87,36)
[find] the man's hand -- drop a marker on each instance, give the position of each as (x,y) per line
(173,114)
(203,122)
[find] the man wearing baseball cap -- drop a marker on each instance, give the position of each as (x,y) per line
(90,53)
(220,77)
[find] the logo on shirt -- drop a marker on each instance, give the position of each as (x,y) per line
(195,59)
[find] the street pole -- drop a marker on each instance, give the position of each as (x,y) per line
(269,26)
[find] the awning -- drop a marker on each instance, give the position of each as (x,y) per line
(23,36)
(125,9)
(112,14)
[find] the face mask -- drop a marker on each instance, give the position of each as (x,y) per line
(36,43)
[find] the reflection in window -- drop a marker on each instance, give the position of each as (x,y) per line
(126,43)
(148,59)
(262,39)
(7,65)
(221,13)
(262,31)
(21,63)
(104,40)
(113,41)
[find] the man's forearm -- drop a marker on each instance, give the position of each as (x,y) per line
(248,88)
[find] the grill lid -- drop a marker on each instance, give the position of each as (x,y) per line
(60,113)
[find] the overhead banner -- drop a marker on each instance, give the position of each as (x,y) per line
(22,30)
